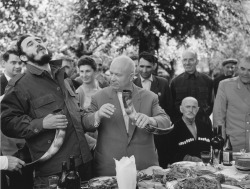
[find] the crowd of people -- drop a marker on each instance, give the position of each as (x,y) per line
(93,115)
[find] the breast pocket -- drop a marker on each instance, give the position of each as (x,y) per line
(44,105)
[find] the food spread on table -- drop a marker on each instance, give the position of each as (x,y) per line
(181,175)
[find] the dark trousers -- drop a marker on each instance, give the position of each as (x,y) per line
(84,170)
(161,144)
(19,180)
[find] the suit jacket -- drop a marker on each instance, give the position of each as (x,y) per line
(4,83)
(217,81)
(232,111)
(160,86)
(9,146)
(114,141)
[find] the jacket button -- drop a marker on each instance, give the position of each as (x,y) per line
(49,141)
(58,88)
(36,130)
(248,122)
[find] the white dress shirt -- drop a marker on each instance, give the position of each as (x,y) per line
(146,83)
(3,163)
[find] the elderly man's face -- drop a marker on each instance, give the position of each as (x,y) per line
(244,72)
(189,109)
(189,61)
(229,69)
(121,74)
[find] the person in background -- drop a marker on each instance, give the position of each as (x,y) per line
(228,67)
(70,69)
(117,135)
(9,164)
(87,68)
(12,66)
(161,72)
(232,107)
(28,112)
(160,87)
(135,58)
(100,76)
(190,135)
(195,84)
(11,147)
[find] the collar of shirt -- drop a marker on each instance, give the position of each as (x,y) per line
(149,79)
(54,67)
(146,83)
(188,76)
(7,77)
(192,127)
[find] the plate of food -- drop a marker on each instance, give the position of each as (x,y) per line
(225,186)
(103,182)
(243,164)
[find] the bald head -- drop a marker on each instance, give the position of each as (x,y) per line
(188,100)
(125,63)
(122,71)
(189,107)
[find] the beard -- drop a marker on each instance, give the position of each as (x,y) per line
(43,60)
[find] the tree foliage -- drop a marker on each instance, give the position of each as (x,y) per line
(144,21)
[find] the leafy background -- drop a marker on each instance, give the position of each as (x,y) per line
(217,29)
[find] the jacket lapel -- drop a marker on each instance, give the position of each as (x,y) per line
(137,82)
(136,98)
(243,92)
(154,85)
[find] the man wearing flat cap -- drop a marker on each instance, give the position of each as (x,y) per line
(228,67)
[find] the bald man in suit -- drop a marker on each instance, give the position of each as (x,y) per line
(117,136)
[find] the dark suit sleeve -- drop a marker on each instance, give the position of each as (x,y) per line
(168,101)
(210,98)
(174,109)
(172,145)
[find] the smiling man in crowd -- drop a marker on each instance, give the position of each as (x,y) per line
(232,107)
(29,106)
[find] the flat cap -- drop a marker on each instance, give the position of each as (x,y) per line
(229,60)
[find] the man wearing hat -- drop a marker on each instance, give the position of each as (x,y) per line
(228,67)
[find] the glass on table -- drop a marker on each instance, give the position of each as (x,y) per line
(205,157)
(41,186)
(53,181)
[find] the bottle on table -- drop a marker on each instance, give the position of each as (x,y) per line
(227,152)
(215,144)
(72,180)
(221,139)
(61,182)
